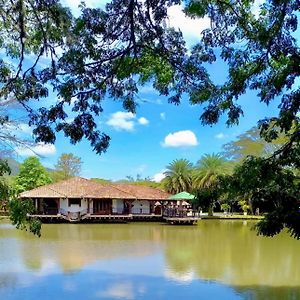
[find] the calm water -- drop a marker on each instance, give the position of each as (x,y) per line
(214,260)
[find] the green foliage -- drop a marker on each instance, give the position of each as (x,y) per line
(270,187)
(251,143)
(225,207)
(101,180)
(112,52)
(244,205)
(178,176)
(19,210)
(68,165)
(207,170)
(32,174)
(207,197)
(5,189)
(206,179)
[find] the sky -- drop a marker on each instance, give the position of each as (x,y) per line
(160,132)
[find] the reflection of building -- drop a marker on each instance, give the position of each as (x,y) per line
(78,199)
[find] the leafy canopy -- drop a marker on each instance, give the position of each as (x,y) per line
(112,52)
(32,174)
(68,165)
(178,176)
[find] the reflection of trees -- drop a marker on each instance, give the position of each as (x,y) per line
(267,292)
(8,280)
(223,251)
(227,252)
(73,246)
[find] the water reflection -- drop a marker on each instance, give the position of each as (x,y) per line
(231,253)
(222,259)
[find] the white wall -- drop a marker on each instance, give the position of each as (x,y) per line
(140,206)
(64,204)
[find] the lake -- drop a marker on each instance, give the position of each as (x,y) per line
(213,260)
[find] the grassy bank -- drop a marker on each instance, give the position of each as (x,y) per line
(233,217)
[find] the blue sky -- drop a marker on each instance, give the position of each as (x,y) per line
(147,142)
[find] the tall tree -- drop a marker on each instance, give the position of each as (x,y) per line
(32,174)
(205,177)
(208,168)
(18,210)
(113,51)
(68,165)
(251,143)
(178,176)
(270,185)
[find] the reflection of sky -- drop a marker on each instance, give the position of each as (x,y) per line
(150,261)
(89,284)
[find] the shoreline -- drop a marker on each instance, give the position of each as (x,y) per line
(232,217)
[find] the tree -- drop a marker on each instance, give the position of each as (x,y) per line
(113,52)
(68,165)
(205,177)
(32,174)
(4,186)
(268,184)
(251,143)
(18,210)
(178,176)
(208,168)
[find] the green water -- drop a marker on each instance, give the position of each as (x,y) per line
(214,260)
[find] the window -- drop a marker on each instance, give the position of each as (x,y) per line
(74,202)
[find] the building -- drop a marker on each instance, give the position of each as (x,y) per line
(79,199)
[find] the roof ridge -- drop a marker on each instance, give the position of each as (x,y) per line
(114,186)
(55,191)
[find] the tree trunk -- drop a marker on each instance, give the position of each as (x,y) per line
(210,210)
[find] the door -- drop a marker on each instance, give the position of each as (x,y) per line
(102,207)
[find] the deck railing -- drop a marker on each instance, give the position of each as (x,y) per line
(177,213)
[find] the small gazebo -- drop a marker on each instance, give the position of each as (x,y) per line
(180,209)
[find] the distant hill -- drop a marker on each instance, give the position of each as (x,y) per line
(14,166)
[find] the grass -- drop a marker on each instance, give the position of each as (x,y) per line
(234,217)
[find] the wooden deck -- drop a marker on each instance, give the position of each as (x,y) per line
(181,220)
(76,217)
(106,217)
(146,217)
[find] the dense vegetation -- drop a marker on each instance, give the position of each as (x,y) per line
(112,52)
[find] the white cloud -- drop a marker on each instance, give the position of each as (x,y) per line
(122,121)
(162,115)
(143,121)
(184,138)
(220,136)
(41,149)
(190,28)
(158,177)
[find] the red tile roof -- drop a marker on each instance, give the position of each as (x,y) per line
(78,187)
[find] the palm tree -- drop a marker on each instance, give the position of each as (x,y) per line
(208,168)
(178,176)
(205,175)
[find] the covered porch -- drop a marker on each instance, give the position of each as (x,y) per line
(46,206)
